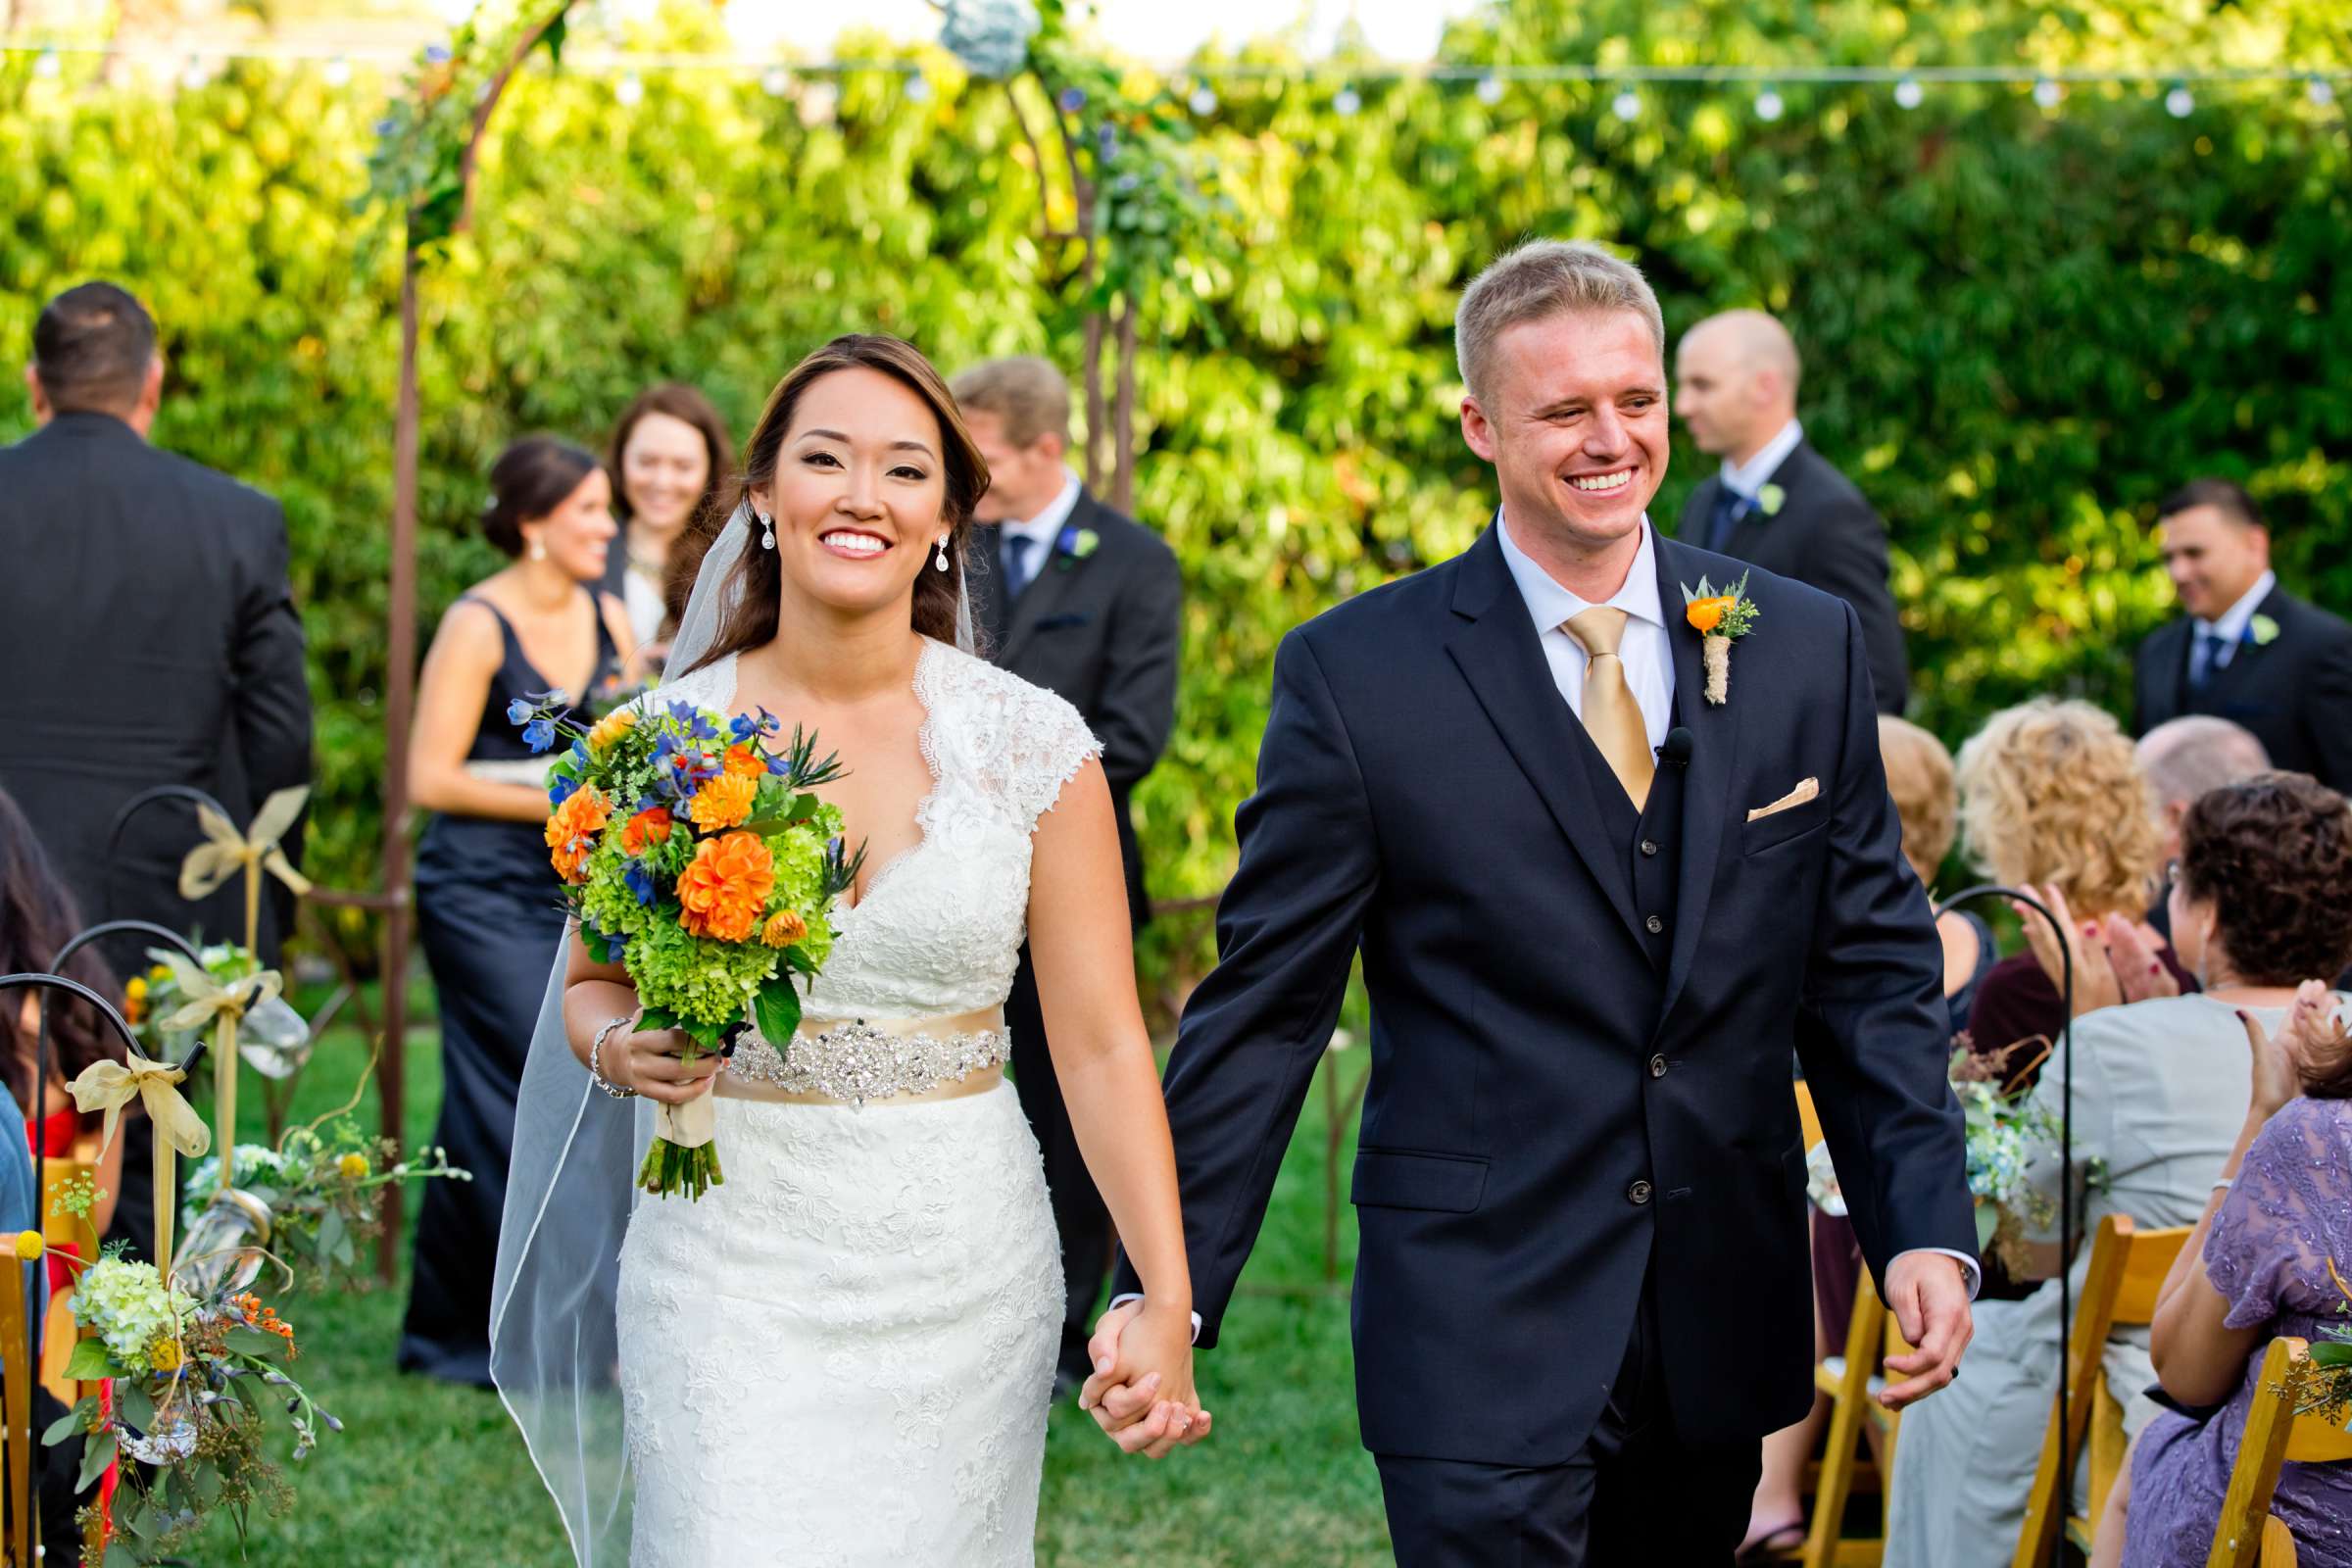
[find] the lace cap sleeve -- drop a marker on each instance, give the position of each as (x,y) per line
(1045,744)
(2289,1210)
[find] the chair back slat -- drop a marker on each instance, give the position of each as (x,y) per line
(16,1410)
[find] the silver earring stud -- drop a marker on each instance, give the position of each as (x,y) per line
(538,551)
(942,561)
(767,530)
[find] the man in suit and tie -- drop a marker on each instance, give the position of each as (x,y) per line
(1088,604)
(149,635)
(2244,649)
(1776,502)
(1599,898)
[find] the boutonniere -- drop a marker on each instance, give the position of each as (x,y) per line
(1719,617)
(2262,631)
(1075,544)
(1771,498)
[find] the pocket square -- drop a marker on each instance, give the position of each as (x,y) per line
(1804,790)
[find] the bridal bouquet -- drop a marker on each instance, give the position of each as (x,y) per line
(693,851)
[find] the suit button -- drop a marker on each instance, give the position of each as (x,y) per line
(1638,1194)
(1657,1066)
(1650,846)
(1654,925)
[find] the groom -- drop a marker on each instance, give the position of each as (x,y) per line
(1597,910)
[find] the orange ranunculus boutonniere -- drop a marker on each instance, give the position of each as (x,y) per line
(1719,617)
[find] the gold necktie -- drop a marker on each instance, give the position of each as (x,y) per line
(1611,715)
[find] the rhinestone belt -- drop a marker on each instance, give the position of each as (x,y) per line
(857,1061)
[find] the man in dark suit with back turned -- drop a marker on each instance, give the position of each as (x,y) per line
(2244,649)
(1600,899)
(149,634)
(1776,503)
(1086,603)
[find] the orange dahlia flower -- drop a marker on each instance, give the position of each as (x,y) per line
(649,826)
(724,802)
(572,830)
(743,760)
(1707,614)
(783,928)
(726,885)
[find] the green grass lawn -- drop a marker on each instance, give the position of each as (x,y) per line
(426,1475)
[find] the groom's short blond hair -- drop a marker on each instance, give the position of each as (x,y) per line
(1540,278)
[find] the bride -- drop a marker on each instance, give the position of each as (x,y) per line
(845,1353)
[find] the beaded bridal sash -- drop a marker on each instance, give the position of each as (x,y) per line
(852,1062)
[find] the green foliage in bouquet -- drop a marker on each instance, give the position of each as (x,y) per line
(324,1194)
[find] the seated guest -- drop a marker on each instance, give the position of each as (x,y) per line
(2264,896)
(37,917)
(2052,795)
(2244,646)
(2255,1268)
(2183,758)
(1919,777)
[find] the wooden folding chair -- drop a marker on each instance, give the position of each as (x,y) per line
(2126,1268)
(63,1229)
(1853,1380)
(16,1413)
(2247,1534)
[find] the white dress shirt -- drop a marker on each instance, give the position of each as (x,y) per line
(1041,530)
(2232,627)
(1646,652)
(1751,477)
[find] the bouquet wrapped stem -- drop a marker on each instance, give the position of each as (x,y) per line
(695,855)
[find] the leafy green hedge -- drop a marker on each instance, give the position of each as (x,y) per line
(2020,327)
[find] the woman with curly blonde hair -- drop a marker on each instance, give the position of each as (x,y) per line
(2052,797)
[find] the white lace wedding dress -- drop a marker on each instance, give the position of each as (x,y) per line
(844,1355)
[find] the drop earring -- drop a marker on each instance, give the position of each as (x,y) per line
(942,561)
(538,550)
(767,530)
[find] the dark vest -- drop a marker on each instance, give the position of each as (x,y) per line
(1650,843)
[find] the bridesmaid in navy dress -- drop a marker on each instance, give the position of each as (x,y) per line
(486,896)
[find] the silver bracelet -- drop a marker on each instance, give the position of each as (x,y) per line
(596,1053)
(2222,1186)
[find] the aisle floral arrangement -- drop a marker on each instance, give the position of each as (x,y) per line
(693,851)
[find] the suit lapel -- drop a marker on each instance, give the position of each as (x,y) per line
(1748,532)
(1714,747)
(1498,655)
(2225,681)
(1050,585)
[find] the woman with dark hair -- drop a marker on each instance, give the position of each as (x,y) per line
(2260,900)
(486,897)
(2272,1253)
(670,459)
(37,917)
(845,1352)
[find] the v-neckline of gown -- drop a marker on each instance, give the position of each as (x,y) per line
(925,737)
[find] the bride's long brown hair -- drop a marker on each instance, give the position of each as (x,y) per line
(757,585)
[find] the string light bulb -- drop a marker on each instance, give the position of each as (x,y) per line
(1769,106)
(2180,103)
(1626,105)
(2320,91)
(1346,101)
(338,73)
(631,91)
(1490,89)
(1909,94)
(48,66)
(777,81)
(2048,94)
(918,88)
(1203,100)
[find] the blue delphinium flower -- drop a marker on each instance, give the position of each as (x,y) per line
(520,711)
(561,788)
(539,734)
(640,878)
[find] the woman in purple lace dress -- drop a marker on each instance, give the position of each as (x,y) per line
(2257,1267)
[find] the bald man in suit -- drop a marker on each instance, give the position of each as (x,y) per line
(1776,503)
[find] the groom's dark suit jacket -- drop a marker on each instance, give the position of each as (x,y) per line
(1563,1097)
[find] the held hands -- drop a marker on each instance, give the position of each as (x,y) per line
(1929,1294)
(650,1062)
(1142,1391)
